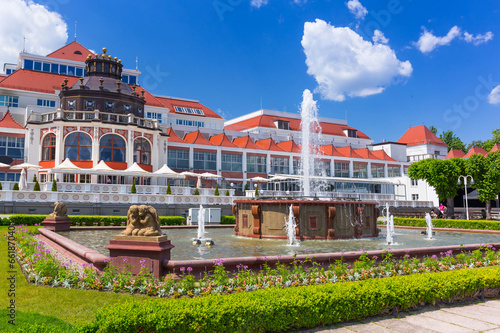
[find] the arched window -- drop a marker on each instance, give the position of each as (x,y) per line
(49,147)
(78,147)
(142,151)
(112,148)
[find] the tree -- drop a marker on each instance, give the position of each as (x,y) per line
(257,191)
(442,175)
(15,187)
(169,190)
(54,185)
(133,190)
(453,141)
(227,193)
(34,178)
(196,191)
(0,186)
(37,185)
(477,143)
(486,174)
(433,129)
(216,192)
(246,187)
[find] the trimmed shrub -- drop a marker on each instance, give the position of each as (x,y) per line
(246,187)
(15,187)
(28,219)
(216,192)
(54,185)
(227,193)
(227,220)
(34,178)
(169,190)
(278,310)
(256,191)
(196,192)
(449,223)
(133,190)
(86,220)
(37,186)
(1,187)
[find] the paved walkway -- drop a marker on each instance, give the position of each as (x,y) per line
(468,317)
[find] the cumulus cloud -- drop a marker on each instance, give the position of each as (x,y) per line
(258,3)
(478,39)
(428,42)
(379,37)
(346,65)
(44,30)
(494,96)
(357,9)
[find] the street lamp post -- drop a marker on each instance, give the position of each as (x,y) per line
(465,187)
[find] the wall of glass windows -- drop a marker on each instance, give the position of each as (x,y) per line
(322,168)
(231,162)
(178,159)
(280,165)
(204,160)
(359,170)
(256,164)
(49,67)
(353,187)
(341,169)
(12,101)
(377,171)
(12,147)
(393,171)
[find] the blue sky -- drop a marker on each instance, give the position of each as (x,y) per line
(433,63)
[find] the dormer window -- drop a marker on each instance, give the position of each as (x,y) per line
(282,124)
(89,105)
(351,133)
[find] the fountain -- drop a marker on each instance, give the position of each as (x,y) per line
(314,218)
(290,225)
(201,223)
(428,221)
(390,231)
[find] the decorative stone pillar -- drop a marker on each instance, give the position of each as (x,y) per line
(330,227)
(256,213)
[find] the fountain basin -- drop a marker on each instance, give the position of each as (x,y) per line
(316,219)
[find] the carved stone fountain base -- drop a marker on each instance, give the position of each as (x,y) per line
(57,223)
(135,252)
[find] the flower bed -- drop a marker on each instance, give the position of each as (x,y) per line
(448,223)
(86,220)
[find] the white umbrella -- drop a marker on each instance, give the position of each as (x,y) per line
(102,166)
(3,165)
(198,183)
(259,179)
(22,180)
(165,170)
(26,166)
(189,174)
(210,175)
(278,178)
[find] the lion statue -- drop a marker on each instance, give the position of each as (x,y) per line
(142,220)
(60,210)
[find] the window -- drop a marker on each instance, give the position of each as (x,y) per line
(68,177)
(405,170)
(322,168)
(49,147)
(414,197)
(78,147)
(178,159)
(185,122)
(342,169)
(9,71)
(393,171)
(154,115)
(296,166)
(37,66)
(188,110)
(89,105)
(46,103)
(132,80)
(63,69)
(142,151)
(12,101)
(54,68)
(79,72)
(46,67)
(360,170)
(256,164)
(71,70)
(351,133)
(231,162)
(12,147)
(377,171)
(125,78)
(204,161)
(28,64)
(280,165)
(282,124)
(414,182)
(112,148)
(85,179)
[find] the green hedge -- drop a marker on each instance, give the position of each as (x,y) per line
(275,310)
(449,223)
(227,220)
(87,220)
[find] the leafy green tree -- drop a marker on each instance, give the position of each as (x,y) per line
(54,185)
(216,192)
(486,174)
(246,187)
(433,129)
(442,175)
(169,190)
(133,190)
(227,193)
(477,143)
(453,141)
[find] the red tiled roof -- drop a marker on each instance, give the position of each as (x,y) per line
(149,98)
(268,144)
(289,146)
(496,147)
(245,142)
(8,122)
(172,102)
(173,136)
(420,135)
(381,154)
(330,150)
(24,79)
(293,124)
(455,153)
(349,152)
(72,51)
(221,140)
(196,138)
(367,153)
(476,150)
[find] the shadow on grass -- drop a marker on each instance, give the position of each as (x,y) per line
(33,322)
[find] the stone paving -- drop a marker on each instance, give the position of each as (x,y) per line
(464,317)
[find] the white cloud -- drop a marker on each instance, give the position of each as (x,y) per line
(478,39)
(299,2)
(428,42)
(494,96)
(258,3)
(379,37)
(344,64)
(357,9)
(44,30)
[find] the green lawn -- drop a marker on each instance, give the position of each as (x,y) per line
(59,307)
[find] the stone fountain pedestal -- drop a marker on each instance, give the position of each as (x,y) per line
(57,223)
(133,252)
